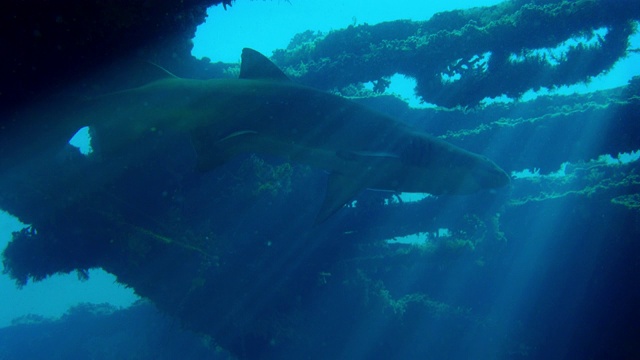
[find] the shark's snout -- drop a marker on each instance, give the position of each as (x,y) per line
(491,176)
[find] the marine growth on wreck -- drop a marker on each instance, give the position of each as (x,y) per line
(235,254)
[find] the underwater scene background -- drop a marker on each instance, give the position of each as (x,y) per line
(145,257)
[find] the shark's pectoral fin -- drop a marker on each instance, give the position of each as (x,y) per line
(213,152)
(238,135)
(340,190)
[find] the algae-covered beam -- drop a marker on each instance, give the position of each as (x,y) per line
(573,128)
(492,49)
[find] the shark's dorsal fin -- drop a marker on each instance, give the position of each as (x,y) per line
(256,66)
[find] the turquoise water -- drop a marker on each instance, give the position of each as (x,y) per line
(531,271)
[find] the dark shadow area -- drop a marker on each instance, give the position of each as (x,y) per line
(103,332)
(545,267)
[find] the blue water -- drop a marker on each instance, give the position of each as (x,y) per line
(546,268)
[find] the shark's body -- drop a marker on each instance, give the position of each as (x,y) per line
(264,112)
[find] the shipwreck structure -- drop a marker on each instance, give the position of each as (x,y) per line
(234,253)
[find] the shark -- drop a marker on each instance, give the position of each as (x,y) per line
(265,112)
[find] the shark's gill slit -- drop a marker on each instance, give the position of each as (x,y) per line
(82,140)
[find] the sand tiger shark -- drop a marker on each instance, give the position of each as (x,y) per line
(264,112)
